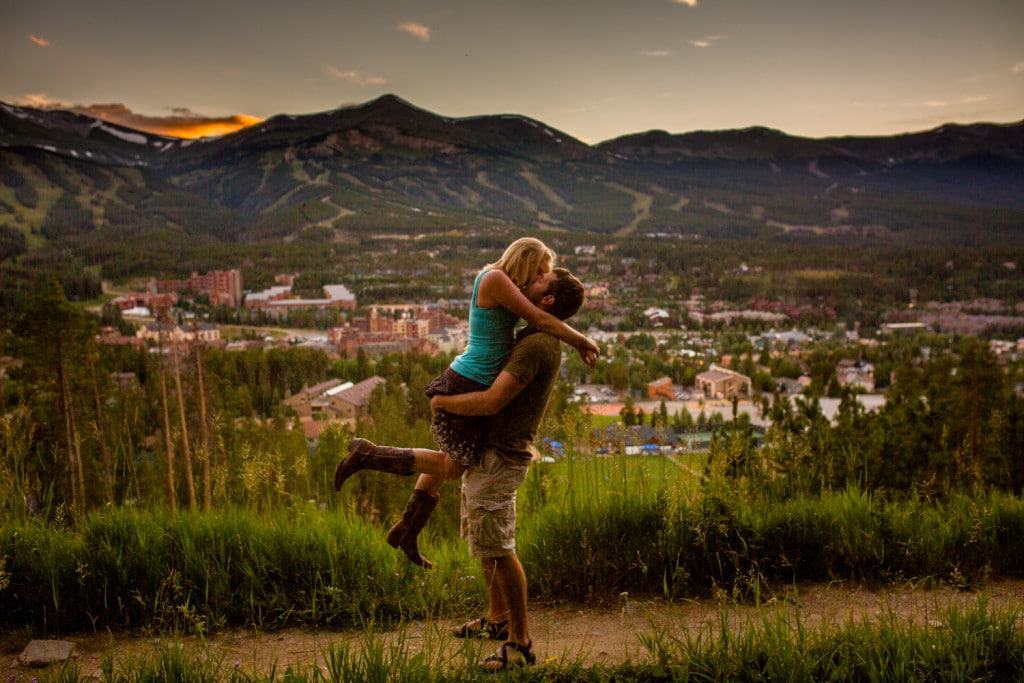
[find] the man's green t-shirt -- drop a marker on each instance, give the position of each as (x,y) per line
(534,361)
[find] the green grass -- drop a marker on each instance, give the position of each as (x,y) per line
(558,482)
(584,542)
(979,643)
(204,571)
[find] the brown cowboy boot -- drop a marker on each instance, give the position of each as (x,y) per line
(403,534)
(366,455)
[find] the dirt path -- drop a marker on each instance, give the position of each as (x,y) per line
(342,213)
(608,635)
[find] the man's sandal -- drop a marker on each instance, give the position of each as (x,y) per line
(482,628)
(510,656)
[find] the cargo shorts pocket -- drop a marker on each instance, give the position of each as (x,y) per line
(492,528)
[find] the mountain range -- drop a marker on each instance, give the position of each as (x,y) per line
(387,165)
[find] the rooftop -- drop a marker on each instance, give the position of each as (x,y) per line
(359,394)
(268,294)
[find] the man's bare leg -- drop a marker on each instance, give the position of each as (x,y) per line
(511,582)
(497,607)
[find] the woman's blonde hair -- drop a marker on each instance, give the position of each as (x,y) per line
(523,259)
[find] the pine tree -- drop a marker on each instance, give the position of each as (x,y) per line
(204,427)
(170,481)
(186,449)
(50,335)
(108,469)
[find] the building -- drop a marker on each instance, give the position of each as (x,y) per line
(125,381)
(421,328)
(205,332)
(278,300)
(335,400)
(173,332)
(223,287)
(661,388)
(165,332)
(411,327)
(856,375)
(635,439)
(791,387)
(788,339)
(906,328)
(111,337)
(594,393)
(719,382)
(658,317)
(450,339)
(350,341)
(147,300)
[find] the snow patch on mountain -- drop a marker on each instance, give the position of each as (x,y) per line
(521,118)
(137,138)
(14,111)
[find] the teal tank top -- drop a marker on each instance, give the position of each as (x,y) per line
(491,335)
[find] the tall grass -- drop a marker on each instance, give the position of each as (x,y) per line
(600,545)
(978,643)
(198,571)
(203,571)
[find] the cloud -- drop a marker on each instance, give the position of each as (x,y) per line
(41,42)
(707,41)
(688,3)
(182,123)
(1017,68)
(355,77)
(656,53)
(940,104)
(939,118)
(927,104)
(40,100)
(415,30)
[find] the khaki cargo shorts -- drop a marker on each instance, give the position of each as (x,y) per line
(489,505)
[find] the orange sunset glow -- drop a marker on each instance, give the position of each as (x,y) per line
(204,128)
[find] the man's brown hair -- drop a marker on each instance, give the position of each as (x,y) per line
(568,292)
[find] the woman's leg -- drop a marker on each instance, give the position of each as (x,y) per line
(433,475)
(403,535)
(434,468)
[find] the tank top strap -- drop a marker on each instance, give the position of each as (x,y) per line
(476,287)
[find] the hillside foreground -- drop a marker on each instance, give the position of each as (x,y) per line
(589,635)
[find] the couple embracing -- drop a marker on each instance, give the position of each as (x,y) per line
(486,409)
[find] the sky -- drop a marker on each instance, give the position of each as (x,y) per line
(595,69)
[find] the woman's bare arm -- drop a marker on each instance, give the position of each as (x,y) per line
(501,289)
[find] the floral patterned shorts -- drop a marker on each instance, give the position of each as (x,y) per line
(460,436)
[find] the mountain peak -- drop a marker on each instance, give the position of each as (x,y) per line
(391,103)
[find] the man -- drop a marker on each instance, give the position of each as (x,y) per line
(517,400)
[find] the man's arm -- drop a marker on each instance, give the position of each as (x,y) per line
(477,403)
